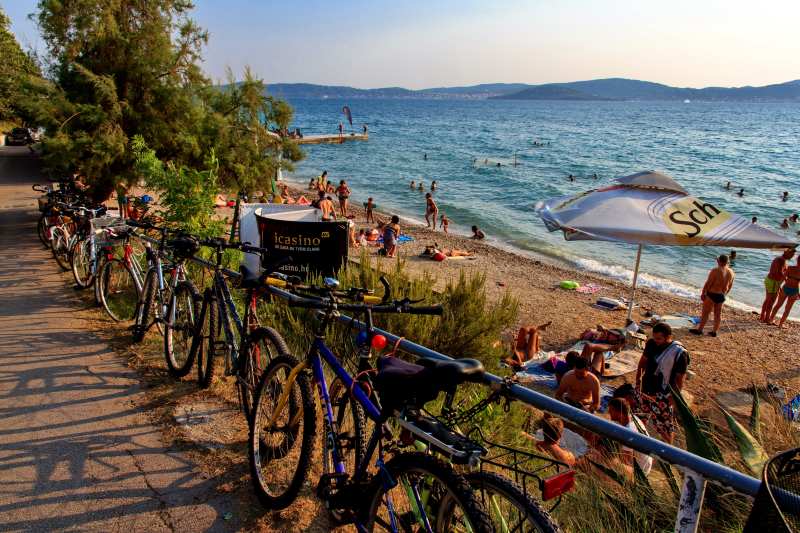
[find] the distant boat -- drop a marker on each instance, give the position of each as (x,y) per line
(324,96)
(687,101)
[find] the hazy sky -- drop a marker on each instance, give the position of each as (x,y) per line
(416,44)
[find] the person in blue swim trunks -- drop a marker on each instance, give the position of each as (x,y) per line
(788,295)
(718,285)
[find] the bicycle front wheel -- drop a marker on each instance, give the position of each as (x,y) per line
(179,328)
(418,492)
(282,434)
(61,248)
(118,291)
(509,507)
(263,345)
(81,259)
(205,341)
(43,231)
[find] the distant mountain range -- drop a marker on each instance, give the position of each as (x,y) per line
(604,89)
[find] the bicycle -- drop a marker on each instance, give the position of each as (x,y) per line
(120,279)
(411,490)
(73,226)
(247,346)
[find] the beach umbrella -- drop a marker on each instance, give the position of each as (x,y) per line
(652,208)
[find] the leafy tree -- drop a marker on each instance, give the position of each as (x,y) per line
(118,69)
(15,68)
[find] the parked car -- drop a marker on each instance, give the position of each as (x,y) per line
(19,137)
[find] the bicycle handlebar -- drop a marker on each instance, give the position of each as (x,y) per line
(398,306)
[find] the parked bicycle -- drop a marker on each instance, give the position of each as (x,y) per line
(411,491)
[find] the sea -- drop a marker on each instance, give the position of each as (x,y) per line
(458,143)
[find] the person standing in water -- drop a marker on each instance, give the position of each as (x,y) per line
(728,185)
(431,209)
(785,195)
(424,157)
(413,185)
(772,283)
(421,187)
(433,185)
(741,192)
(788,295)
(718,285)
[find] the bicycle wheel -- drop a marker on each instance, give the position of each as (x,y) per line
(263,345)
(81,259)
(280,453)
(508,506)
(61,248)
(144,307)
(204,344)
(418,492)
(179,328)
(118,292)
(352,426)
(43,231)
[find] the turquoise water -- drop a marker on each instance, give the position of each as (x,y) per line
(702,145)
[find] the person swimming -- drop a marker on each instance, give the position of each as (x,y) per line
(785,223)
(413,185)
(754,220)
(785,195)
(433,185)
(728,185)
(421,186)
(741,192)
(571,177)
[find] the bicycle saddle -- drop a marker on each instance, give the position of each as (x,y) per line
(454,371)
(250,279)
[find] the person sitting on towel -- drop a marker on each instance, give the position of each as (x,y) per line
(552,430)
(580,388)
(620,412)
(527,345)
(663,366)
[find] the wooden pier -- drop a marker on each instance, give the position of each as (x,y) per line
(328,139)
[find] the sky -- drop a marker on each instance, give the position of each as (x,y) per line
(432,43)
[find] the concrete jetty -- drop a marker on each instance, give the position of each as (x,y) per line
(328,139)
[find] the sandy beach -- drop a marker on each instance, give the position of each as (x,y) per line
(745,352)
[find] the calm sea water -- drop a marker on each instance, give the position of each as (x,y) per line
(702,145)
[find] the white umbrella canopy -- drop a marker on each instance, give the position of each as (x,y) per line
(652,208)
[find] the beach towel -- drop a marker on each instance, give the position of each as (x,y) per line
(666,361)
(590,288)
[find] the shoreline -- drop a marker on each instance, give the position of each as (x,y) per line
(745,351)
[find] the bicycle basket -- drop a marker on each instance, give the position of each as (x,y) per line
(107,230)
(184,246)
(777,504)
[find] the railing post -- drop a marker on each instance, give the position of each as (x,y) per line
(694,488)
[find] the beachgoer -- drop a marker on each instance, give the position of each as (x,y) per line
(741,192)
(785,223)
(754,220)
(785,195)
(421,187)
(343,192)
(341,129)
(391,232)
(362,238)
(728,185)
(580,388)
(789,294)
(793,218)
(425,157)
(318,201)
(287,198)
(718,285)
(477,234)
(433,185)
(430,209)
(527,345)
(594,176)
(369,206)
(322,181)
(619,411)
(627,392)
(330,189)
(663,364)
(413,185)
(327,208)
(606,340)
(562,367)
(571,177)
(552,430)
(312,183)
(772,283)
(732,256)
(365,129)
(444,222)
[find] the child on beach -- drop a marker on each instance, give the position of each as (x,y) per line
(477,233)
(445,222)
(369,205)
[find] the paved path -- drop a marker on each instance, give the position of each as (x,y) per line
(76,453)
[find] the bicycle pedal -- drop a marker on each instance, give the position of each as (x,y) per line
(330,483)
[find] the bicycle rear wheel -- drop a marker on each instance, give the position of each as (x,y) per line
(43,231)
(81,259)
(204,344)
(144,307)
(179,328)
(280,453)
(61,248)
(264,344)
(508,506)
(419,491)
(118,292)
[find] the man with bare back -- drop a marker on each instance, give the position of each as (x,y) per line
(718,285)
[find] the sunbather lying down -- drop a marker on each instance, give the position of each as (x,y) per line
(527,345)
(438,254)
(601,340)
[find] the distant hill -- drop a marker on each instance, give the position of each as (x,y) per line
(603,89)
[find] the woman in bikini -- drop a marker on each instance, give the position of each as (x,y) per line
(789,293)
(430,209)
(343,192)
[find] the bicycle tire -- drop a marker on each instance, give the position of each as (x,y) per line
(351,422)
(119,294)
(275,452)
(80,261)
(144,307)
(42,230)
(61,249)
(204,343)
(530,517)
(263,345)
(179,325)
(405,469)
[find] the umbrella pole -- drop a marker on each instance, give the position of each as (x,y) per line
(635,280)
